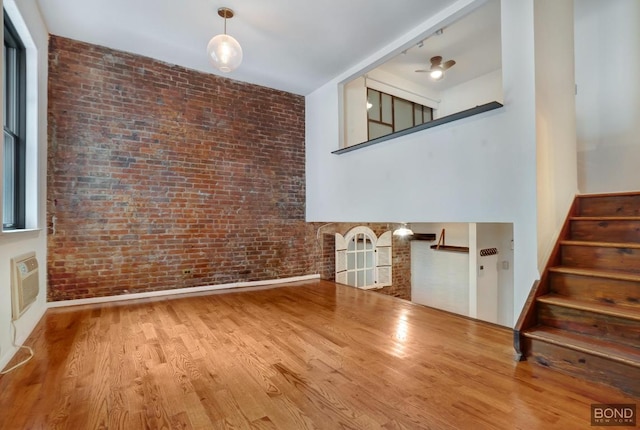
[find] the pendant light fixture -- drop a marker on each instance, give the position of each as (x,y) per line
(225,53)
(403,231)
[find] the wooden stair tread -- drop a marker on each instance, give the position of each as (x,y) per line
(604,218)
(587,344)
(582,317)
(612,195)
(609,274)
(582,305)
(630,245)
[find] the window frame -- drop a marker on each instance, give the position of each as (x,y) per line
(377,104)
(382,258)
(361,264)
(14,103)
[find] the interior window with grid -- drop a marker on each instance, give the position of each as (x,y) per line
(387,114)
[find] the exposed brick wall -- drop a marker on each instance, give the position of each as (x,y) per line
(401,283)
(154,169)
(401,256)
(328,267)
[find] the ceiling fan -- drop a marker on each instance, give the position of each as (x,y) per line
(436,71)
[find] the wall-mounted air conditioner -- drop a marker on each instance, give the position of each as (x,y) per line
(25,283)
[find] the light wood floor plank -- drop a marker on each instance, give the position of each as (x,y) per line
(310,355)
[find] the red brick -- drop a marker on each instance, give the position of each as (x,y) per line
(154,168)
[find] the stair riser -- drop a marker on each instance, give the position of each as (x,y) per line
(623,205)
(580,364)
(597,290)
(606,231)
(601,258)
(608,327)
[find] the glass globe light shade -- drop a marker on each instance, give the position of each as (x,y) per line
(225,53)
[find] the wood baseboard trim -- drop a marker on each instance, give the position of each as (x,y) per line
(179,291)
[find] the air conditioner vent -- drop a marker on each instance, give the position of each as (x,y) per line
(25,285)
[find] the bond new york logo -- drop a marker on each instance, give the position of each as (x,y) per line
(621,415)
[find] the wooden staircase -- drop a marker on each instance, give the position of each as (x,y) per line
(583,316)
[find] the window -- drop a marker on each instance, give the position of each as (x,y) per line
(362,259)
(388,114)
(14,150)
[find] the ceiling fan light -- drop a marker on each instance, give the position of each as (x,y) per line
(436,73)
(225,53)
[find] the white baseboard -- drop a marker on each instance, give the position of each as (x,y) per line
(150,294)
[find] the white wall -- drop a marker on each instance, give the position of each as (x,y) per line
(355,109)
(25,14)
(465,283)
(440,279)
(487,292)
(480,169)
(476,92)
(555,120)
(607,57)
(496,278)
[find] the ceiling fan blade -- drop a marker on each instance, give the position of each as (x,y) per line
(448,64)
(435,61)
(422,71)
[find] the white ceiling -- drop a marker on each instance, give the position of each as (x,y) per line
(291,45)
(473,41)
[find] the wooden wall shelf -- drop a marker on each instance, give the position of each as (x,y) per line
(424,236)
(440,246)
(450,248)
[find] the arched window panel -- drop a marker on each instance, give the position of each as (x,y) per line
(362,259)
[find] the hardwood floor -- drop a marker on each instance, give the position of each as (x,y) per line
(305,355)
